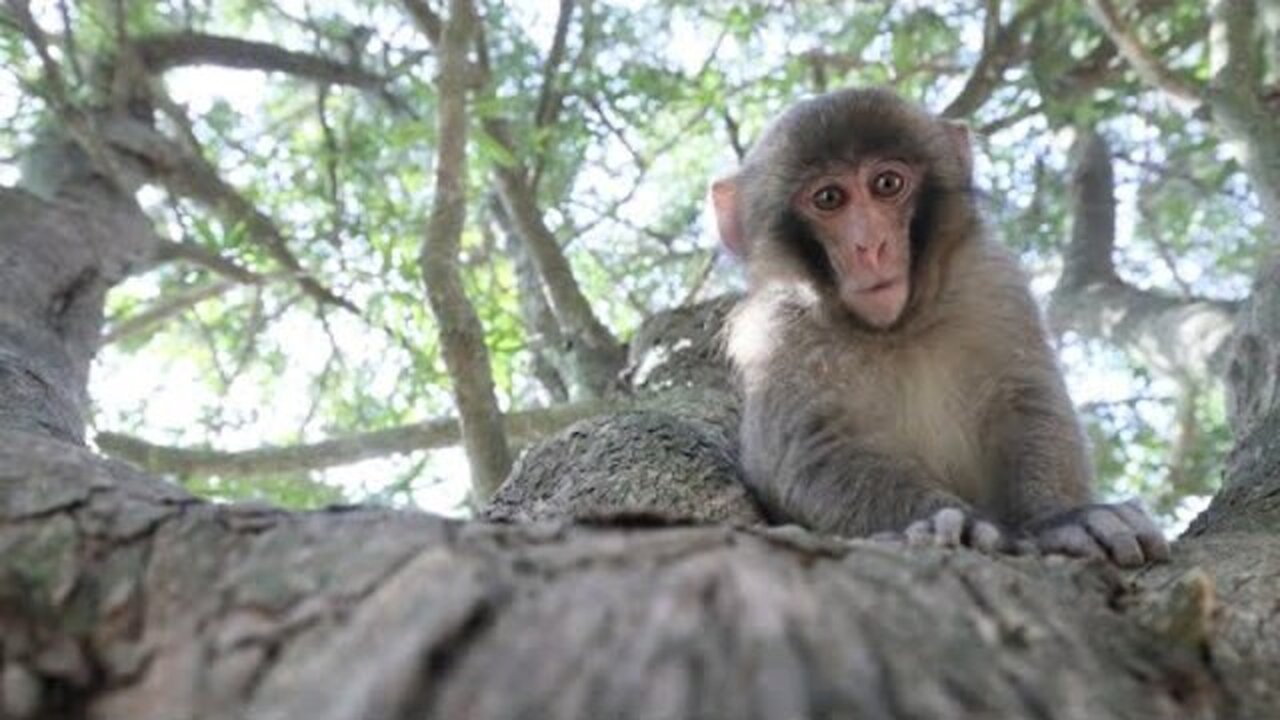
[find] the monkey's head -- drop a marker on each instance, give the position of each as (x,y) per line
(853,192)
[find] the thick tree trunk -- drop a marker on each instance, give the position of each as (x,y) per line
(60,251)
(122,597)
(1250,497)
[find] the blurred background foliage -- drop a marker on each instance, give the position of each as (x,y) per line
(654,99)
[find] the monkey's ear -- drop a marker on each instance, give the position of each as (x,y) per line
(961,139)
(724,199)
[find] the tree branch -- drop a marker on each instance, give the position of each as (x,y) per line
(522,427)
(1236,98)
(168,251)
(428,22)
(549,98)
(74,120)
(199,181)
(1180,337)
(597,354)
(546,341)
(1181,90)
(1089,254)
(253,612)
(461,334)
(1090,72)
(166,51)
(146,321)
(190,175)
(1000,47)
(548,95)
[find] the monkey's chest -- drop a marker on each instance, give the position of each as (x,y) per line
(932,412)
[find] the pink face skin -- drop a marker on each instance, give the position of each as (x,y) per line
(862,216)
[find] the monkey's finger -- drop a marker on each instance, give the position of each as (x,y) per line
(1069,539)
(1154,545)
(985,537)
(1024,546)
(1152,540)
(919,533)
(948,527)
(1114,534)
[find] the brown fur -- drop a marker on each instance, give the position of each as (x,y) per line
(958,404)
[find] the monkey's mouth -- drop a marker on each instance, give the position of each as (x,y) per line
(878,304)
(880,287)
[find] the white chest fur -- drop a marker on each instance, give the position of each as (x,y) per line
(934,416)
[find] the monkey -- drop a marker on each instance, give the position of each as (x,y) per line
(896,373)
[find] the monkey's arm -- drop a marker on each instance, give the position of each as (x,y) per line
(803,469)
(1047,484)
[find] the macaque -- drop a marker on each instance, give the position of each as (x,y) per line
(896,372)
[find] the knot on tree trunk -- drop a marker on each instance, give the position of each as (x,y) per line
(670,455)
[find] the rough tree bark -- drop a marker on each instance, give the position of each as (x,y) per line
(61,251)
(671,456)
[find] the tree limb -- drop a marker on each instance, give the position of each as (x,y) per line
(165,51)
(548,95)
(597,354)
(1000,47)
(1184,92)
(461,334)
(549,98)
(249,611)
(146,321)
(521,427)
(190,175)
(1089,254)
(168,251)
(198,180)
(1181,337)
(546,340)
(1236,98)
(74,120)
(427,20)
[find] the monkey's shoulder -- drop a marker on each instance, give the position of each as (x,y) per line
(765,320)
(984,266)
(986,298)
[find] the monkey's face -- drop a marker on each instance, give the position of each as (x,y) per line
(851,193)
(860,213)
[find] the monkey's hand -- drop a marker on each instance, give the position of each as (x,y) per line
(1122,532)
(953,527)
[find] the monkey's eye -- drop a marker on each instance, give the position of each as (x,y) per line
(888,184)
(828,198)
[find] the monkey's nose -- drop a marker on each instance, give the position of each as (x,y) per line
(872,254)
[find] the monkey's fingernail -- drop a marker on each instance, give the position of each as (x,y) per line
(986,537)
(919,533)
(948,527)
(1025,547)
(887,537)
